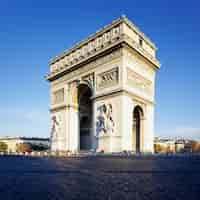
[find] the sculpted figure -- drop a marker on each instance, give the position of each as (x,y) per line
(54,128)
(109,121)
(105,123)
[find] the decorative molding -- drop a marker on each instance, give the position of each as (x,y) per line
(64,107)
(92,43)
(133,44)
(91,57)
(58,108)
(113,34)
(108,78)
(101,32)
(121,91)
(88,67)
(88,49)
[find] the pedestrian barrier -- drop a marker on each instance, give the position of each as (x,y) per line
(90,154)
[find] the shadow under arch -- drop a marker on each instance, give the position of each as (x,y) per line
(138,116)
(85,111)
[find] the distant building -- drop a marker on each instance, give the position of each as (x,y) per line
(164,145)
(180,145)
(12,142)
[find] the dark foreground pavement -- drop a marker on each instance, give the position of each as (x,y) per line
(31,178)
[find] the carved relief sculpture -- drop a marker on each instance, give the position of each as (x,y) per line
(107,78)
(87,49)
(55,128)
(105,123)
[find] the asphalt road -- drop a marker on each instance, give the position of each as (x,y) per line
(91,178)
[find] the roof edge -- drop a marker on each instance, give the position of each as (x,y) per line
(121,19)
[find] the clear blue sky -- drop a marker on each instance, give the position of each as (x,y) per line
(31,32)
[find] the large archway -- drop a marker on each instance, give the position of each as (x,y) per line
(137,129)
(85,117)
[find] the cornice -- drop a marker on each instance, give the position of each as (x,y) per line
(119,91)
(108,136)
(58,108)
(138,31)
(101,31)
(124,39)
(63,107)
(103,52)
(85,41)
(134,46)
(85,68)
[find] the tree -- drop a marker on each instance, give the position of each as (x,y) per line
(195,145)
(3,146)
(23,147)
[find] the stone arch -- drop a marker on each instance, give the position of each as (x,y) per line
(74,89)
(85,112)
(87,83)
(137,129)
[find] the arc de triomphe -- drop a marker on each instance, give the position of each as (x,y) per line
(102,92)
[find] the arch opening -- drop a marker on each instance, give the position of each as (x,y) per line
(85,117)
(137,128)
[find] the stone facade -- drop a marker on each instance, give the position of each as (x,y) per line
(102,92)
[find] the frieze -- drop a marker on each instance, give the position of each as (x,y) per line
(90,66)
(106,31)
(86,50)
(108,36)
(108,78)
(138,81)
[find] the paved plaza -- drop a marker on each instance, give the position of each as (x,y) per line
(99,177)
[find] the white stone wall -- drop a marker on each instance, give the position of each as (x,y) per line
(73,129)
(149,129)
(127,119)
(144,72)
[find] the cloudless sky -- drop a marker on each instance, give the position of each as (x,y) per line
(32,32)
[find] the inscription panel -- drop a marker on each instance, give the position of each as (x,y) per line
(108,78)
